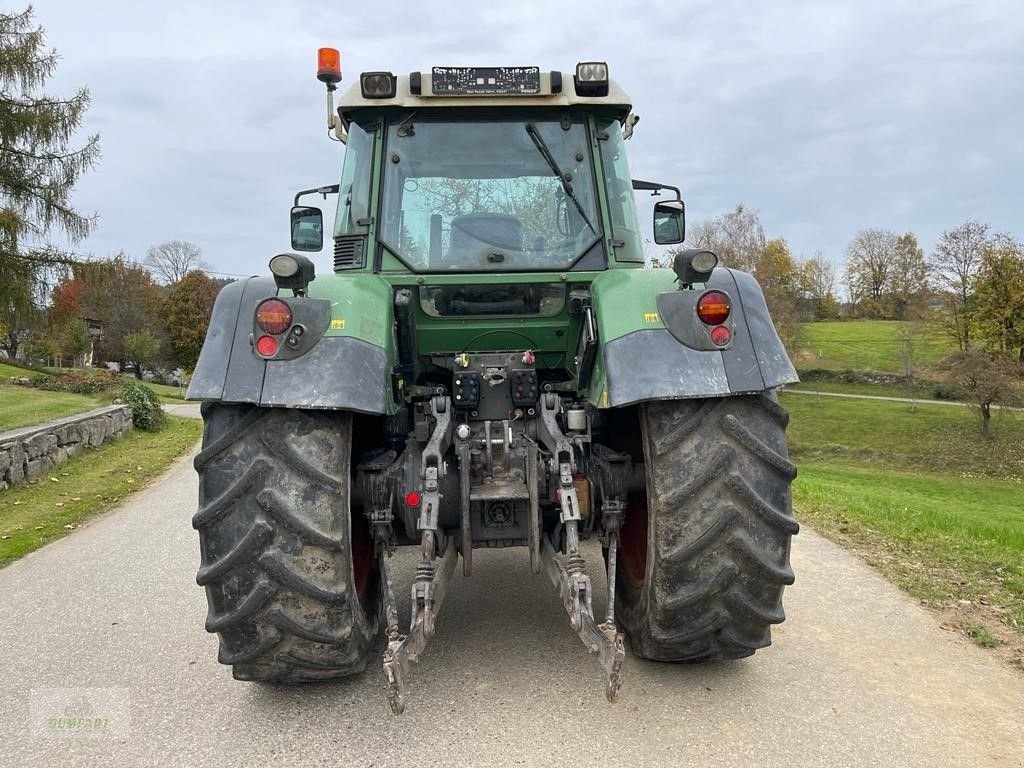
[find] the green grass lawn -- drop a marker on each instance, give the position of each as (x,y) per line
(168,393)
(924,498)
(940,537)
(7,371)
(882,434)
(36,513)
(24,406)
(868,345)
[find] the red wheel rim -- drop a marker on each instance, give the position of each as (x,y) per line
(362,557)
(633,541)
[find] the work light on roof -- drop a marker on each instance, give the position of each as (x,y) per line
(377,85)
(592,78)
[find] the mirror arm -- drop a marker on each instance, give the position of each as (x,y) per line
(655,187)
(330,189)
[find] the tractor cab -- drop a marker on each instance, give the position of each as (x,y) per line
(485,169)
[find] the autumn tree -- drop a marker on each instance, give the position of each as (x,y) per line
(123,296)
(186,312)
(66,301)
(997,309)
(75,338)
(38,170)
(140,349)
(907,286)
(776,272)
(954,264)
(171,261)
(985,380)
(869,260)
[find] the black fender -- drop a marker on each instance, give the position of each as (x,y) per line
(653,364)
(338,372)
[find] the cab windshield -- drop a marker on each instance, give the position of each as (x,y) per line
(484,195)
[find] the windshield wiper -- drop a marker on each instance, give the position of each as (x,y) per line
(545,152)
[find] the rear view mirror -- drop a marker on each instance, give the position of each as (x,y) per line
(669,222)
(307,228)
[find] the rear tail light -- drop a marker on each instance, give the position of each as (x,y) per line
(720,335)
(266,346)
(274,316)
(714,307)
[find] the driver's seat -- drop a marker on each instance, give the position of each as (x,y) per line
(476,235)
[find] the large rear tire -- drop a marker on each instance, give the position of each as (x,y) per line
(291,582)
(704,558)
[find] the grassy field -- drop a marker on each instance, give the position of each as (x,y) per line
(955,544)
(883,434)
(869,345)
(9,371)
(36,513)
(168,393)
(923,498)
(24,406)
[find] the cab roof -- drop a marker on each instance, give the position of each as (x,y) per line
(353,101)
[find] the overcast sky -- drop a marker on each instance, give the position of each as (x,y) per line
(825,117)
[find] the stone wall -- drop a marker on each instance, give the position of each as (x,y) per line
(31,451)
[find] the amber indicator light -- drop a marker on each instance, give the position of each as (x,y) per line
(274,316)
(714,308)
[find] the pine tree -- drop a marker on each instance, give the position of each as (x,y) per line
(38,169)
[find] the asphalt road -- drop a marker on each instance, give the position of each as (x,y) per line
(859,675)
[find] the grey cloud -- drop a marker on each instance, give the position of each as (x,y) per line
(826,117)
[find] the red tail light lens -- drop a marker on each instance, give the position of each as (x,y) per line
(714,308)
(412,499)
(720,335)
(266,346)
(274,316)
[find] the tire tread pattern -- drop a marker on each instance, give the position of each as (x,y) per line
(720,524)
(276,555)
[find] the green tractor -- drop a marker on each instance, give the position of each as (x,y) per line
(490,365)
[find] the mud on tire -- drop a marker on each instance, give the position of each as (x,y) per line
(291,583)
(706,559)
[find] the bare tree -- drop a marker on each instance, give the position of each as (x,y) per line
(954,265)
(869,260)
(736,237)
(957,255)
(817,286)
(171,261)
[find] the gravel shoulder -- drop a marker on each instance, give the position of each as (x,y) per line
(859,674)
